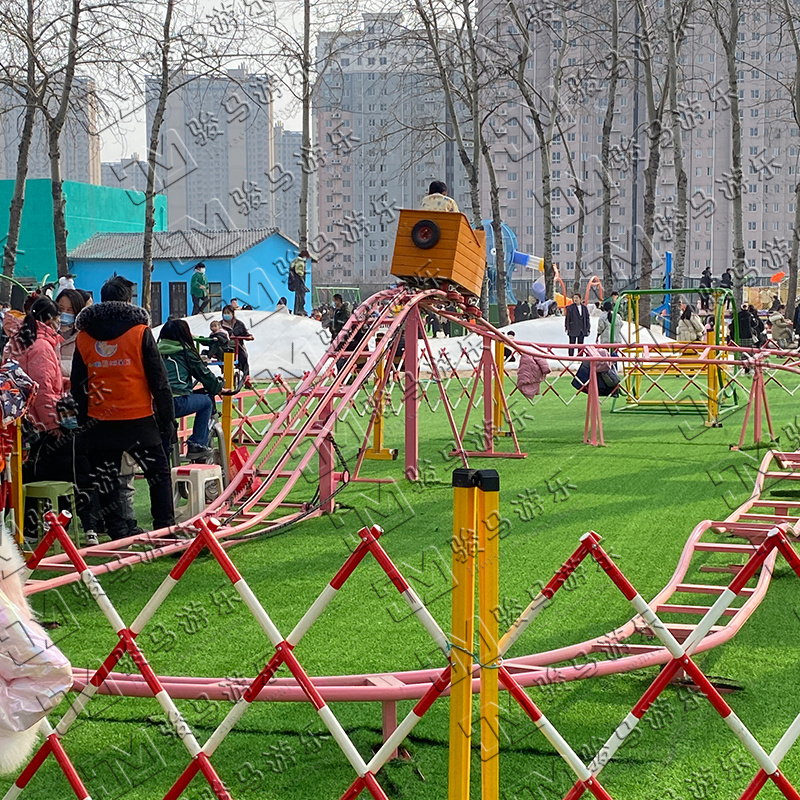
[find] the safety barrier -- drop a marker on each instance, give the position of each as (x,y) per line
(764,523)
(200,755)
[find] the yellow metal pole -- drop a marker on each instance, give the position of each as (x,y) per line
(462,631)
(488,529)
(17,501)
(378,452)
(499,360)
(227,403)
(713,385)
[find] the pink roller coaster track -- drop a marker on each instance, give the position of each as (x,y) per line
(304,428)
(603,655)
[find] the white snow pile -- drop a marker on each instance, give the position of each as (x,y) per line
(284,344)
(464,352)
(288,345)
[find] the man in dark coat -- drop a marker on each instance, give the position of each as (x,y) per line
(341,313)
(576,322)
(705,283)
(124,401)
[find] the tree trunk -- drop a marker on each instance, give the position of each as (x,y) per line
(305,150)
(791,287)
(654,129)
(729,36)
(152,155)
(648,220)
(55,125)
(59,203)
(791,20)
(605,147)
(23,156)
(499,249)
(679,262)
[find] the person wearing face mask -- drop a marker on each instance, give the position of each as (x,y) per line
(35,348)
(199,289)
(238,333)
(65,458)
(70,304)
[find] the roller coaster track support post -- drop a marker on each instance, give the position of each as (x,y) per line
(227,403)
(411,393)
(378,452)
(327,463)
(499,360)
(488,395)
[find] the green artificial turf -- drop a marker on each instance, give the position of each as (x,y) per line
(657,478)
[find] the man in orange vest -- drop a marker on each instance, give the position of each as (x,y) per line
(124,401)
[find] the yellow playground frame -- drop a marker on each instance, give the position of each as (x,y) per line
(702,367)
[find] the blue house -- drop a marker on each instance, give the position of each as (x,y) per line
(250,265)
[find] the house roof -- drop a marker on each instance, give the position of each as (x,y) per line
(195,244)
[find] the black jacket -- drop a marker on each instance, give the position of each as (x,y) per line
(340,316)
(104,321)
(576,320)
(746,327)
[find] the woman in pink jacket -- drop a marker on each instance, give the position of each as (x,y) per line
(35,349)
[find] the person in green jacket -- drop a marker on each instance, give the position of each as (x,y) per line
(185,368)
(199,289)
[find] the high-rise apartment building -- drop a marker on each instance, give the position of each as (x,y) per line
(216,151)
(381,138)
(129,173)
(284,182)
(80,143)
(769,148)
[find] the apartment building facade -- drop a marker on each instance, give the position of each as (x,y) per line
(216,151)
(382,135)
(80,142)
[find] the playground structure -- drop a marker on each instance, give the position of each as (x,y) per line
(646,384)
(300,433)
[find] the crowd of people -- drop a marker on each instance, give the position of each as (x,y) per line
(109,396)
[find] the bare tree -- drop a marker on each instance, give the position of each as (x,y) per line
(54,121)
(725,15)
(791,23)
(654,130)
(676,20)
(542,100)
(28,91)
(457,55)
(164,46)
(306,57)
(613,61)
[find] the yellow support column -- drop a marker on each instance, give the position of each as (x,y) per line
(713,386)
(462,630)
(227,403)
(488,529)
(499,360)
(378,452)
(17,501)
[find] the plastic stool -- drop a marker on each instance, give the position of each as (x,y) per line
(49,493)
(194,478)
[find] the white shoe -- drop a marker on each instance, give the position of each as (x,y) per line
(91,538)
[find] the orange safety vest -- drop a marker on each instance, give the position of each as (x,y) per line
(118,387)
